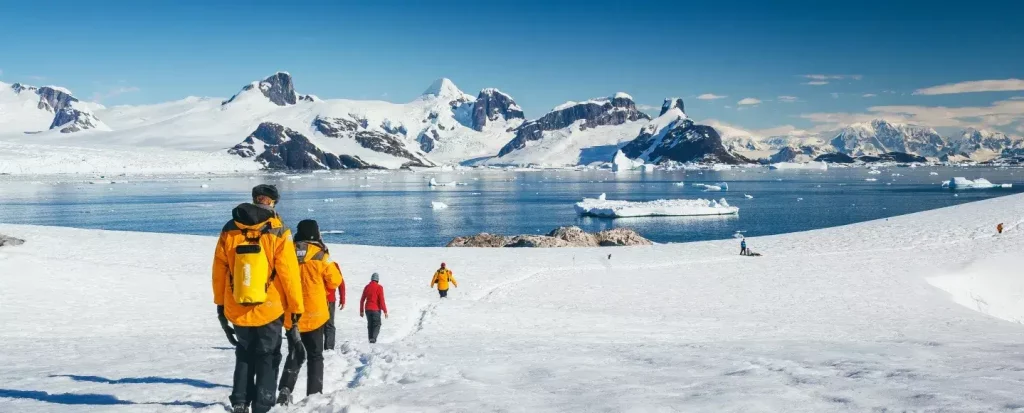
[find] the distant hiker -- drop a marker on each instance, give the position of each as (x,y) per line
(319,275)
(743,247)
(372,304)
(999,228)
(255,280)
(442,277)
(334,296)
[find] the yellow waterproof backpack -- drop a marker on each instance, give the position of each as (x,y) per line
(252,276)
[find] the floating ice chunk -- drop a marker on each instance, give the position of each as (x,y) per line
(875,172)
(748,196)
(438,205)
(433,182)
(871,179)
(603,197)
(794,165)
(799,199)
(364,186)
(417,218)
(333,231)
(661,207)
(621,162)
(329,200)
(980,183)
(933,173)
(204,186)
(680,183)
(309,209)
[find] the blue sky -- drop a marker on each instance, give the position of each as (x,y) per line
(135,52)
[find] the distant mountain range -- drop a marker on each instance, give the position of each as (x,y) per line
(268,122)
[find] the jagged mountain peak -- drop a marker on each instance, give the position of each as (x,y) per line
(672,103)
(278,88)
(443,87)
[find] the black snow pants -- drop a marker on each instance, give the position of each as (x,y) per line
(313,341)
(257,360)
(444,293)
(329,330)
(373,324)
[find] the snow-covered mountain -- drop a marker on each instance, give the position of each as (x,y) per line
(983,145)
(672,136)
(30,109)
(880,136)
(574,133)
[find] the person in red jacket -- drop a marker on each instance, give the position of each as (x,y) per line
(332,297)
(372,304)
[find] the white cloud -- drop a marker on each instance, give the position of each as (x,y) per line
(788,99)
(710,96)
(643,107)
(1004,85)
(868,95)
(120,90)
(819,79)
(1020,128)
(835,95)
(731,131)
(1,72)
(728,107)
(997,115)
(748,101)
(1017,98)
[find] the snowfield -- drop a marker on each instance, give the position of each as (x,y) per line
(839,319)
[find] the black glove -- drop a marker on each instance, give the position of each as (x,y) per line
(296,352)
(230,332)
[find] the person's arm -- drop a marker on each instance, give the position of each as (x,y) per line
(362,302)
(287,266)
(341,293)
(451,277)
(383,305)
(433,280)
(332,274)
(220,270)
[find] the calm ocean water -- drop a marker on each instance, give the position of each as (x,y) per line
(394,208)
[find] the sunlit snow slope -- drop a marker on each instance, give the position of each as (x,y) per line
(840,319)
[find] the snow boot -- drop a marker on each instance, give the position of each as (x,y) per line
(285,398)
(240,408)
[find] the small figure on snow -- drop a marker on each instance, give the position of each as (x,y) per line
(442,277)
(999,228)
(743,247)
(371,304)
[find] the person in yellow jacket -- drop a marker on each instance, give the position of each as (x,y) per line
(442,277)
(319,275)
(256,227)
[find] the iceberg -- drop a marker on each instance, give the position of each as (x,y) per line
(659,208)
(433,182)
(980,183)
(795,165)
(438,205)
(720,186)
(621,162)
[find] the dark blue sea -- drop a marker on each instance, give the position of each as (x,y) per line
(394,208)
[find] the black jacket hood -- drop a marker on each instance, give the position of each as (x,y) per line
(251,214)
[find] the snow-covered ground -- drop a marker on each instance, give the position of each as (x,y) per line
(36,159)
(840,319)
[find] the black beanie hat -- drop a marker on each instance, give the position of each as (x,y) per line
(269,191)
(308,230)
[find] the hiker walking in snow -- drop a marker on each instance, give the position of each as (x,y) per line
(319,275)
(371,304)
(999,228)
(255,280)
(442,277)
(743,247)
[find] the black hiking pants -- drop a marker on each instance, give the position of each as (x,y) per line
(373,324)
(313,341)
(257,360)
(329,330)
(443,293)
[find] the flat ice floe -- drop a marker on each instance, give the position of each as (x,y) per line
(601,207)
(980,183)
(796,165)
(831,320)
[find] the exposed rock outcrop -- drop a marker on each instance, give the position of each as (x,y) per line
(672,103)
(277,88)
(391,141)
(835,158)
(492,105)
(899,157)
(6,241)
(674,137)
(558,238)
(615,110)
(278,147)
